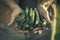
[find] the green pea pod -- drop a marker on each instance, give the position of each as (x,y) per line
(37,16)
(19,27)
(26,26)
(38,21)
(32,16)
(27,14)
(21,17)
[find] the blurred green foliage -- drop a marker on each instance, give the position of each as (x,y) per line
(57,37)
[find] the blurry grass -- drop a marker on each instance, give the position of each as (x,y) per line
(57,37)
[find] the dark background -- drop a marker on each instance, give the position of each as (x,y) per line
(58,1)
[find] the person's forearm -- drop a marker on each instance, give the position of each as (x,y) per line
(15,10)
(13,15)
